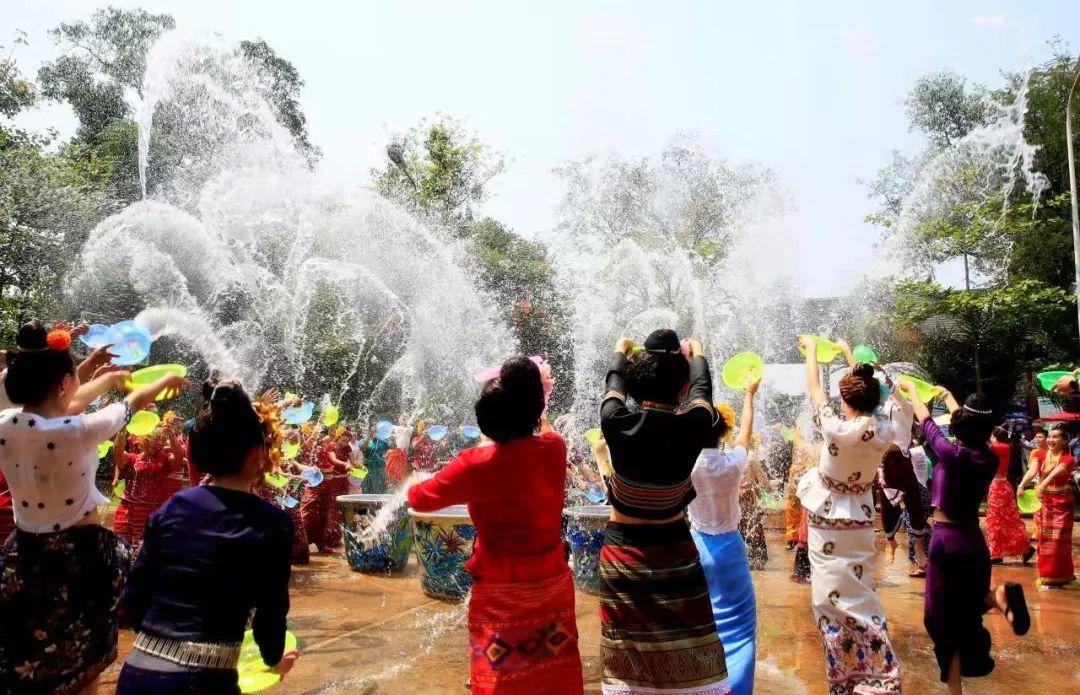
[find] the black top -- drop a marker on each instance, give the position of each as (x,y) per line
(654,450)
(209,556)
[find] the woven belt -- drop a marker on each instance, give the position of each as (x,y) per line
(223,655)
(844,488)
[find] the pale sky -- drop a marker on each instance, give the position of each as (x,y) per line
(813,90)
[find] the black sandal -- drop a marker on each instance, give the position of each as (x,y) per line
(1017,605)
(1029,554)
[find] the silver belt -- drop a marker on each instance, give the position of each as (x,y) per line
(223,655)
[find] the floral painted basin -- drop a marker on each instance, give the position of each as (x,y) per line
(585,531)
(443,542)
(387,552)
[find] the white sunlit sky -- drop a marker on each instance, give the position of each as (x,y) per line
(813,90)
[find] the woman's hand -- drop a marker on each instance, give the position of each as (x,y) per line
(845,348)
(908,389)
(118,378)
(696,349)
(809,344)
(288,660)
(625,346)
(752,390)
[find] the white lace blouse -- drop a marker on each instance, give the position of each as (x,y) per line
(716,477)
(841,487)
(49,464)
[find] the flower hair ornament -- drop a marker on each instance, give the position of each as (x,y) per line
(58,339)
(273,434)
(726,413)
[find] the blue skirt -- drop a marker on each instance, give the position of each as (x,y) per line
(727,572)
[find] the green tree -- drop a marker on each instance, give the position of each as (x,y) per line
(105,57)
(1021,315)
(46,201)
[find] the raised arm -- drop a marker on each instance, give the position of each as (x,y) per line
(849,356)
(921,411)
(614,400)
(700,393)
(101,383)
(813,378)
(746,426)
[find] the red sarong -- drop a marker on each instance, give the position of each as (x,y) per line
(1006,533)
(524,638)
(1054,522)
(321,514)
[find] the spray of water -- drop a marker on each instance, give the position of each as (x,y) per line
(260,266)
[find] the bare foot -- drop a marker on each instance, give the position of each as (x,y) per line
(890,551)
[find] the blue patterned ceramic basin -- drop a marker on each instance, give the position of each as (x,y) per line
(386,553)
(585,531)
(443,542)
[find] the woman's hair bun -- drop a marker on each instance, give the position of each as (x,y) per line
(863,370)
(32,336)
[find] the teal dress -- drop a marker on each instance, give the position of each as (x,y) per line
(375,462)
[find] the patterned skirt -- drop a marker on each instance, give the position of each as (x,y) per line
(658,633)
(58,597)
(1054,522)
(524,638)
(850,618)
(1006,533)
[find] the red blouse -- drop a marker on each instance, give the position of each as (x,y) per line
(514,492)
(1004,454)
(1060,483)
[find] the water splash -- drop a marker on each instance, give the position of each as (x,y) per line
(263,267)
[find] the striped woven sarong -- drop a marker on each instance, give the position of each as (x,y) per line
(658,635)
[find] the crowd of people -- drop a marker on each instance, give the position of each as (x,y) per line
(204,505)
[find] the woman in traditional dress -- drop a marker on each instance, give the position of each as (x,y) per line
(151,476)
(803,458)
(958,589)
(898,488)
(839,501)
(714,523)
(375,450)
(319,509)
(657,630)
(918,544)
(214,557)
(1006,533)
(1054,520)
(792,507)
(61,569)
(522,630)
(752,519)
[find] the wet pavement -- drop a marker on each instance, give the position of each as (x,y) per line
(367,634)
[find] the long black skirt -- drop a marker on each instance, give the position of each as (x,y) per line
(58,598)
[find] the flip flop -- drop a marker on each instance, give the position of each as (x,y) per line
(919,573)
(1015,604)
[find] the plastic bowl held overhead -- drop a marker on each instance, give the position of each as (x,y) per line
(827,350)
(742,370)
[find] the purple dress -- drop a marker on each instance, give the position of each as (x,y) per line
(958,567)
